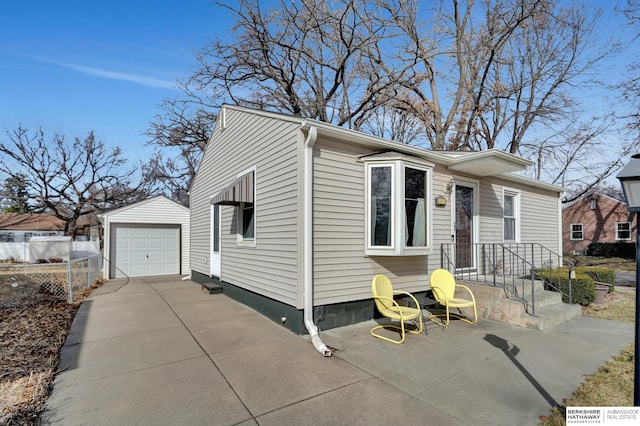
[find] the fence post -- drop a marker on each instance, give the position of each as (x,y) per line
(88,272)
(69,282)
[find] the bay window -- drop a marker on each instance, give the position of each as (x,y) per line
(398,215)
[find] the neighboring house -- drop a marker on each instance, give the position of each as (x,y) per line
(17,231)
(150,237)
(596,218)
(20,227)
(294,217)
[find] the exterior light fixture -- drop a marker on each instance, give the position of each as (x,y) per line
(449,188)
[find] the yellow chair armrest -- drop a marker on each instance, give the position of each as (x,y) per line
(468,291)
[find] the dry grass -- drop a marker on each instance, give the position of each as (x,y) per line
(615,263)
(33,327)
(612,384)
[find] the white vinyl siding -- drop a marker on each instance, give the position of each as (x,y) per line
(342,272)
(539,217)
(271,267)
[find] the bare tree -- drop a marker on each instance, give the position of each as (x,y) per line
(316,59)
(630,88)
(456,74)
(69,180)
(580,156)
(394,122)
(180,134)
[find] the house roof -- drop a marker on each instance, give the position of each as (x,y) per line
(30,222)
(590,195)
(138,204)
(491,162)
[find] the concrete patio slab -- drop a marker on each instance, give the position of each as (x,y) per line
(161,351)
(269,376)
(352,405)
(129,352)
(188,392)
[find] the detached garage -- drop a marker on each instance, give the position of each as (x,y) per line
(147,238)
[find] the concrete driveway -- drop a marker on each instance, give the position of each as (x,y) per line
(159,351)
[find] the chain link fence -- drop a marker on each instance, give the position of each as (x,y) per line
(66,280)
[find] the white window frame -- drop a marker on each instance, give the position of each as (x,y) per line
(398,163)
(618,229)
(516,214)
(571,231)
(241,240)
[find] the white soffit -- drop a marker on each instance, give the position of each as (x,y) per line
(488,163)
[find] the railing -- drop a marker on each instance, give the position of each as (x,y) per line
(513,267)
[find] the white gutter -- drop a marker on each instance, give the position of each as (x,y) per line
(308,244)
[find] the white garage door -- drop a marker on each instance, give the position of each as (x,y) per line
(146,251)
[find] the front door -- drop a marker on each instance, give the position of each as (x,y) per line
(464,225)
(215,241)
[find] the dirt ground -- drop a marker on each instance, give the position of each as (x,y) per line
(33,327)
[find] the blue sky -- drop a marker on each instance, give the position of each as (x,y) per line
(72,66)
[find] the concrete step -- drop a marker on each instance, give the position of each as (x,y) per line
(212,288)
(544,298)
(492,304)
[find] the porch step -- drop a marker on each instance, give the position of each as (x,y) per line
(213,288)
(492,304)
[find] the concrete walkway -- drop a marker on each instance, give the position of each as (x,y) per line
(159,351)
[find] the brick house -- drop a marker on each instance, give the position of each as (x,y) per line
(596,218)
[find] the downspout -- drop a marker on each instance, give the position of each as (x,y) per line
(308,244)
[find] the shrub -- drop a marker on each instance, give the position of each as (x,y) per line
(600,274)
(583,290)
(619,249)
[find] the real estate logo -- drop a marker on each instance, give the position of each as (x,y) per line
(618,416)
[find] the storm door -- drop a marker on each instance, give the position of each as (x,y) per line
(464,224)
(216,259)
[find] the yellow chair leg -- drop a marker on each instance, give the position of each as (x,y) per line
(445,323)
(400,328)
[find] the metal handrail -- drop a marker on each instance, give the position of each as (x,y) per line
(513,267)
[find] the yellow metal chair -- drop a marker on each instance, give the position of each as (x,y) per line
(444,286)
(387,306)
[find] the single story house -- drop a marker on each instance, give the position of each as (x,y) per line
(294,216)
(596,218)
(150,237)
(20,227)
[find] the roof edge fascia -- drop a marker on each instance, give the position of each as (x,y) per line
(532,182)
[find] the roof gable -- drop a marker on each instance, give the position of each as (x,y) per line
(160,199)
